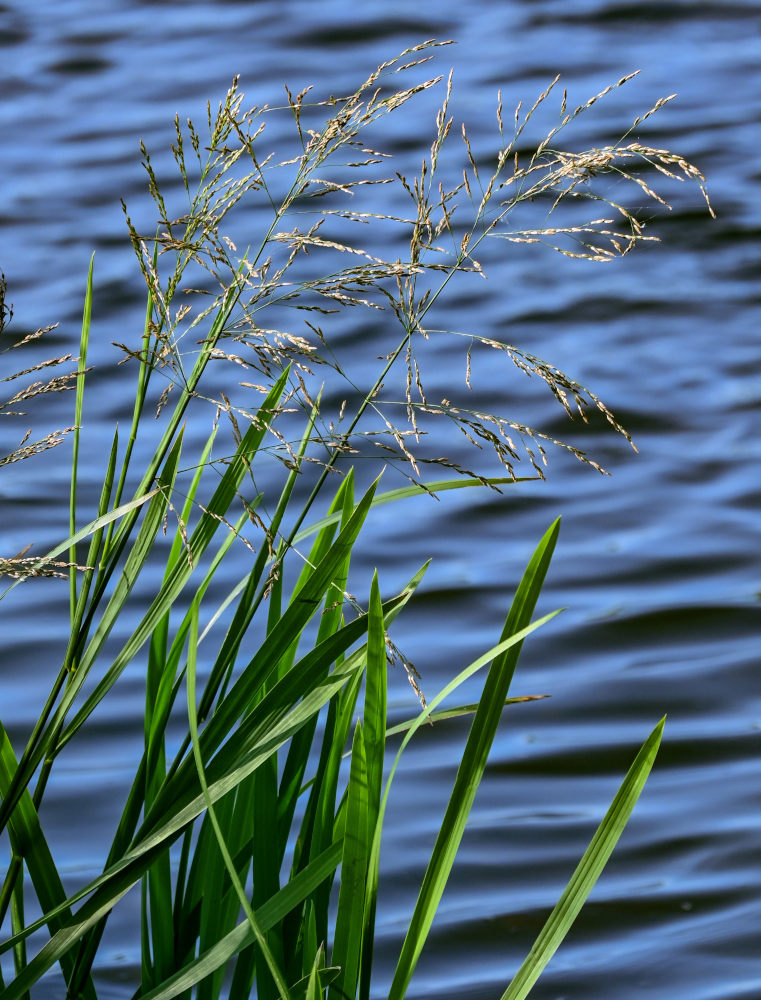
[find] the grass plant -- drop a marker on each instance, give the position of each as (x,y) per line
(254,837)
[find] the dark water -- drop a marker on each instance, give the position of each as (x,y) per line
(658,564)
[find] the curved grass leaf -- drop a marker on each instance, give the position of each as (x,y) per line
(93,526)
(375,733)
(415,490)
(459,711)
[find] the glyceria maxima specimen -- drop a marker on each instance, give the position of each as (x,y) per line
(241,833)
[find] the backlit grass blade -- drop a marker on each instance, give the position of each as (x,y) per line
(272,721)
(180,542)
(93,553)
(251,592)
(401,493)
(133,566)
(162,702)
(158,930)
(163,695)
(145,370)
(274,732)
(375,700)
(472,766)
(328,820)
(588,870)
(274,806)
(319,978)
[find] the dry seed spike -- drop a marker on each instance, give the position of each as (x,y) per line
(604,92)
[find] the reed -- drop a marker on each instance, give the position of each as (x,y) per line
(255,842)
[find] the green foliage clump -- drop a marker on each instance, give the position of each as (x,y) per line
(254,843)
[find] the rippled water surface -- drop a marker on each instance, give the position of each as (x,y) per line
(658,565)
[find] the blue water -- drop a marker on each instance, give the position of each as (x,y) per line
(658,564)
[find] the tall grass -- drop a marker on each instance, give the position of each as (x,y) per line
(254,838)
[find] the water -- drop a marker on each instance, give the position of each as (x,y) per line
(658,564)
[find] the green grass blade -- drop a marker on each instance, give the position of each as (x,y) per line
(375,699)
(375,744)
(135,561)
(144,372)
(178,550)
(277,723)
(460,710)
(85,532)
(157,926)
(588,871)
(276,718)
(159,700)
(319,978)
(415,490)
(230,297)
(330,621)
(425,714)
(17,923)
(472,766)
(378,500)
(250,591)
(93,550)
(349,920)
(109,887)
(81,367)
